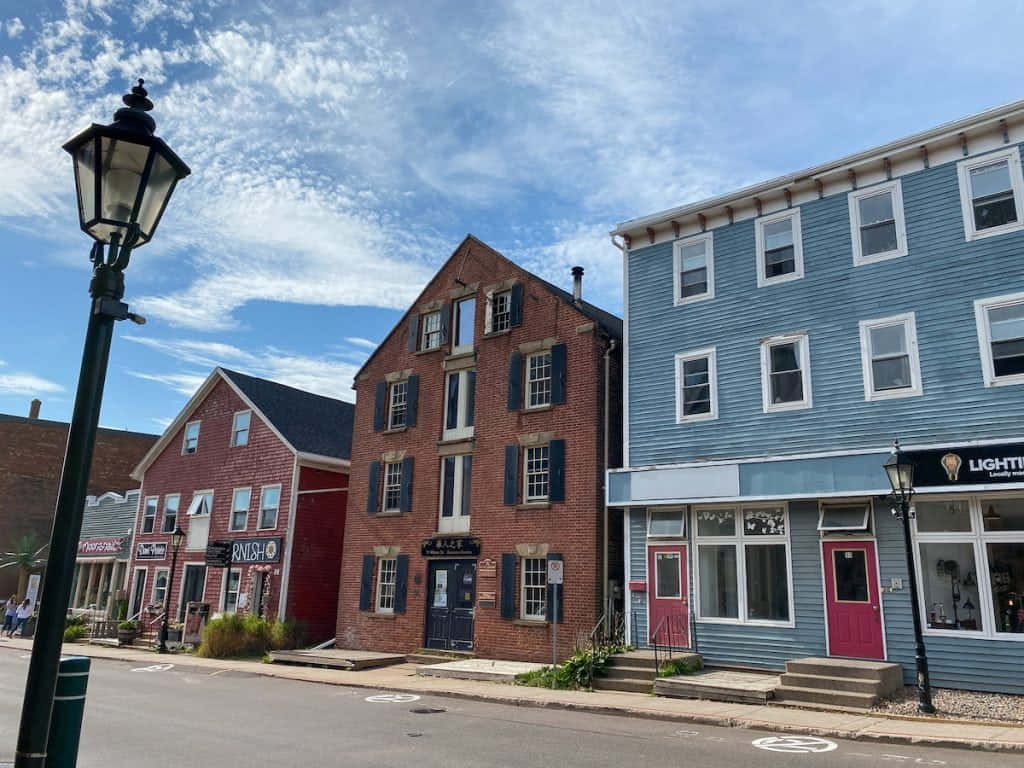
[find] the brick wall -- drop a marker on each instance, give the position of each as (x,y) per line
(571,528)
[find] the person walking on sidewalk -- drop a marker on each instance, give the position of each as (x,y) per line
(24,611)
(10,611)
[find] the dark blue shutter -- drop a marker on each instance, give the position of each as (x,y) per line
(511,473)
(556,470)
(470,397)
(372,500)
(516,308)
(446,314)
(366,583)
(412,396)
(380,406)
(552,604)
(515,382)
(401,581)
(405,503)
(414,332)
(508,586)
(558,374)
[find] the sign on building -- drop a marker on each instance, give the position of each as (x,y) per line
(151,550)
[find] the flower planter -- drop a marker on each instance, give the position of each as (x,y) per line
(126,636)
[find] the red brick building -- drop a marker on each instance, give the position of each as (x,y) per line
(481,444)
(264,466)
(31,460)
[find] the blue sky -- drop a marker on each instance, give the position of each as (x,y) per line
(340,151)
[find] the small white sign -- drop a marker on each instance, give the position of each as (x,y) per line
(393,698)
(794,744)
(555,571)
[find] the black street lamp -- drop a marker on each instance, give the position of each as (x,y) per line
(176,541)
(124,176)
(900,470)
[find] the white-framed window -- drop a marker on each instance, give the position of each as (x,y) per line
(240,428)
(392,496)
(536,477)
(240,509)
(667,523)
(876,223)
(149,513)
(199,520)
(171,503)
(780,253)
(538,379)
(969,553)
(500,312)
(786,373)
(743,564)
(430,330)
(232,587)
(456,493)
(991,190)
(694,262)
(889,359)
(459,404)
(534,597)
(270,501)
(463,323)
(668,575)
(841,516)
(387,569)
(696,386)
(398,404)
(190,440)
(1000,323)
(159,595)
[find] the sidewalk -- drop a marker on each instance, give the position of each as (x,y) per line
(403,678)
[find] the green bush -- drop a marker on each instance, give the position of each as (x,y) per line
(287,634)
(132,625)
(244,635)
(74,621)
(544,678)
(75,632)
(578,671)
(674,667)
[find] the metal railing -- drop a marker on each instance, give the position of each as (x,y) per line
(671,628)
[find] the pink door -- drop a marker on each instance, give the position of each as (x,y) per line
(666,566)
(851,600)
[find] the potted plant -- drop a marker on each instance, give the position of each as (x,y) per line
(127,631)
(174,630)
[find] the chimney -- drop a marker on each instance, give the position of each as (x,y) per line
(577,284)
(33,411)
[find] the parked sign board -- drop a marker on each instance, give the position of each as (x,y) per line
(151,550)
(218,554)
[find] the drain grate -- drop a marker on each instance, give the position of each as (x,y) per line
(427,710)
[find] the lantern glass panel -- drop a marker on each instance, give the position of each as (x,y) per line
(161,181)
(122,164)
(85,168)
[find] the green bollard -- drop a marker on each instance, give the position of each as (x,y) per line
(68,709)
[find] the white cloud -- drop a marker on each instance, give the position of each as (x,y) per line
(358,342)
(15,27)
(182,383)
(27,384)
(162,421)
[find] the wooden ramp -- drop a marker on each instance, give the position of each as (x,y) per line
(337,658)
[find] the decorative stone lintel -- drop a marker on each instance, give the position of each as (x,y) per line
(430,306)
(386,550)
(504,285)
(529,347)
(455,447)
(536,438)
(393,457)
(402,375)
(463,290)
(585,328)
(459,362)
(532,550)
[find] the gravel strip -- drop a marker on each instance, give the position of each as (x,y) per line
(967,705)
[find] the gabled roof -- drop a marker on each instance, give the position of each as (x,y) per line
(311,426)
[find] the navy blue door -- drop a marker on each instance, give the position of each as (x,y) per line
(451,597)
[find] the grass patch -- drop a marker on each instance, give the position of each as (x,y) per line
(545,678)
(247,636)
(575,673)
(674,667)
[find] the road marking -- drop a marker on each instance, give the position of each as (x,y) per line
(393,698)
(687,734)
(154,668)
(794,744)
(25,656)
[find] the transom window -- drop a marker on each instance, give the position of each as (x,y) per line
(149,514)
(779,248)
(392,487)
(844,516)
(876,223)
(240,509)
(459,404)
(170,513)
(666,522)
(387,568)
(990,193)
(270,501)
(398,404)
(191,440)
(785,373)
(889,357)
(694,268)
(465,316)
(538,379)
(501,311)
(456,493)
(240,428)
(696,386)
(1001,339)
(430,335)
(535,588)
(537,475)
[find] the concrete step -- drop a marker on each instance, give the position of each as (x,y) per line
(845,684)
(704,687)
(630,673)
(636,659)
(628,685)
(791,693)
(426,659)
(890,675)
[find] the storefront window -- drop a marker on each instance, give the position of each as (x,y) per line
(764,522)
(1003,514)
(950,583)
(716,522)
(767,583)
(718,595)
(1006,573)
(940,516)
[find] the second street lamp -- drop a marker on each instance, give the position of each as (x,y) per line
(177,539)
(900,470)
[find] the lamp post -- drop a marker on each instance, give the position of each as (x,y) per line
(900,470)
(176,540)
(124,176)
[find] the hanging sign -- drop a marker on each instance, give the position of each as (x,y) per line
(968,465)
(108,546)
(151,550)
(451,546)
(218,554)
(256,550)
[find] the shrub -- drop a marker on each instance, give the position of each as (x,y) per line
(132,625)
(74,621)
(544,678)
(234,635)
(75,632)
(287,634)
(674,667)
(578,671)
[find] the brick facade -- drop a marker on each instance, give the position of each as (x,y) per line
(571,528)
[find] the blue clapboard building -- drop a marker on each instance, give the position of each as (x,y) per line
(778,339)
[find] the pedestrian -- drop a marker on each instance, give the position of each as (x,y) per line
(10,610)
(24,611)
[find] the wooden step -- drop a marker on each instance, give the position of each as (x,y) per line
(792,693)
(628,685)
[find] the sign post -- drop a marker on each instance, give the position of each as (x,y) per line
(555,574)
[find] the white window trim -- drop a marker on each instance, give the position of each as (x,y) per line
(977,537)
(231,517)
(392,388)
(489,312)
(384,487)
(551,381)
(152,590)
(277,515)
(224,589)
(804,343)
(380,583)
(712,356)
(741,564)
(456,317)
(184,437)
(523,615)
(798,248)
(708,238)
(661,537)
(177,511)
(193,507)
(234,429)
(981,307)
(679,565)
(465,431)
(964,168)
(458,522)
(895,189)
(865,528)
(156,514)
(909,323)
(424,334)
(527,499)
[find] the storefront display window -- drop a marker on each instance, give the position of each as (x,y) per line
(718,595)
(1006,574)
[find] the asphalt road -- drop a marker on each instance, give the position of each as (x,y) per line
(186,717)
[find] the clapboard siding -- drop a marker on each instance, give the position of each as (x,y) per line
(638,572)
(938,280)
(770,647)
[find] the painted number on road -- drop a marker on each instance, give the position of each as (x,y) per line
(794,744)
(154,668)
(393,698)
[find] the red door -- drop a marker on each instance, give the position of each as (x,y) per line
(851,600)
(669,624)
